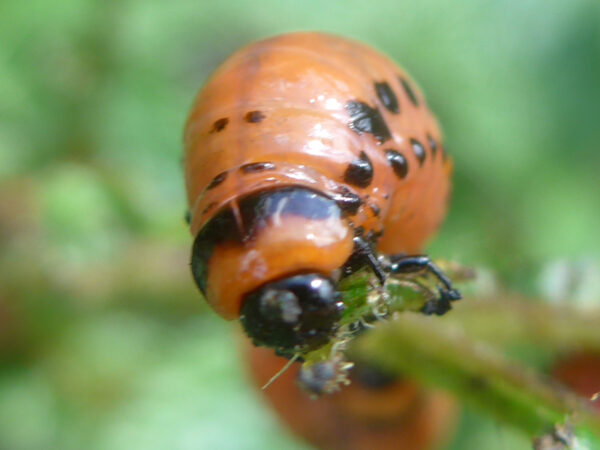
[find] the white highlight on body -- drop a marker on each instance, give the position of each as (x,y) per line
(277,215)
(253,261)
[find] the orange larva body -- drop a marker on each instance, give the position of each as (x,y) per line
(327,114)
(373,412)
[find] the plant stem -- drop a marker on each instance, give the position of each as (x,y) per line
(441,354)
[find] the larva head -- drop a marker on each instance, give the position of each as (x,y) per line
(296,312)
(271,258)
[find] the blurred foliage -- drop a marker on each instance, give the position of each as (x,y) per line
(104,342)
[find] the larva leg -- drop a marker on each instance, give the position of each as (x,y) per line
(408,264)
(364,255)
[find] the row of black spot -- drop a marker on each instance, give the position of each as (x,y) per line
(360,171)
(250,117)
(364,119)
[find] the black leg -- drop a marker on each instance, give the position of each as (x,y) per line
(411,264)
(441,305)
(364,255)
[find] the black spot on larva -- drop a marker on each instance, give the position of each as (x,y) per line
(367,120)
(409,91)
(188,217)
(219,125)
(359,171)
(386,196)
(217,180)
(432,144)
(387,97)
(375,209)
(347,201)
(418,150)
(257,167)
(254,117)
(398,163)
(208,207)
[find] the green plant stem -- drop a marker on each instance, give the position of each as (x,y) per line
(513,318)
(442,355)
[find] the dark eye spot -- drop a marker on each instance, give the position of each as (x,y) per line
(367,120)
(257,167)
(217,180)
(188,217)
(254,117)
(398,162)
(418,150)
(387,97)
(219,125)
(409,91)
(432,144)
(359,171)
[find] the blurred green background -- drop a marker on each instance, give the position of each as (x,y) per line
(104,342)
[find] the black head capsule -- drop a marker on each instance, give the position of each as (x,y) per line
(300,312)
